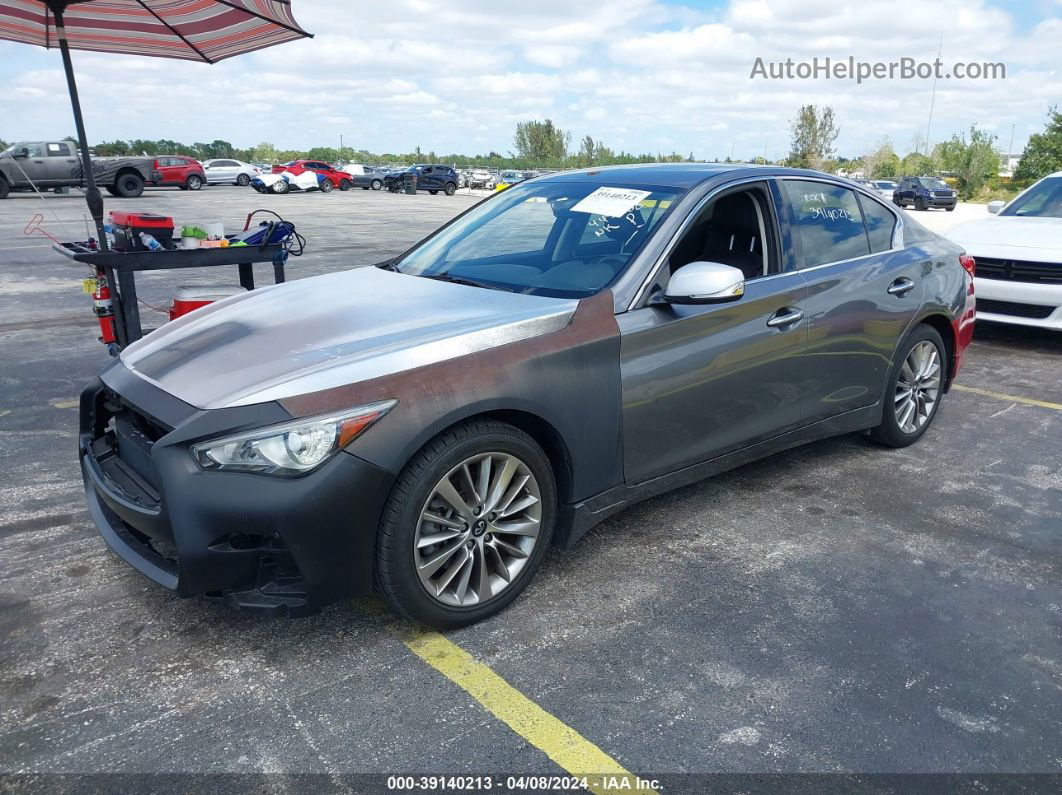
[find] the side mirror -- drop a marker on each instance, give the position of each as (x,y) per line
(23,152)
(705,283)
(995,206)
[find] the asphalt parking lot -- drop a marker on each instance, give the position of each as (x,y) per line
(839,608)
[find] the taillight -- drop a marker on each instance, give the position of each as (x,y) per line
(968,262)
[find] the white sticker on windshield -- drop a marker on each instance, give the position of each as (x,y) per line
(610,202)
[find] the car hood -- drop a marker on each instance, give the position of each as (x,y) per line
(292,339)
(1011,236)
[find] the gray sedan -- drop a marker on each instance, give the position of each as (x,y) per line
(562,350)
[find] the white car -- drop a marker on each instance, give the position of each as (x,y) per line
(885,187)
(224,171)
(1019,257)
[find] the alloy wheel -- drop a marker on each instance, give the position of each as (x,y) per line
(918,387)
(477,529)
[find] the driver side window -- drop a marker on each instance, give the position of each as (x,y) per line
(736,229)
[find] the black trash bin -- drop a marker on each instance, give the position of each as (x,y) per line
(409,181)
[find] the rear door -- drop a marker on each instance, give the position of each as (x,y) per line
(864,291)
(61,162)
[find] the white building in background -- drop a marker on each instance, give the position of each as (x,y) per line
(1008,163)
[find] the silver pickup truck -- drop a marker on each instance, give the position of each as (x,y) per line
(56,164)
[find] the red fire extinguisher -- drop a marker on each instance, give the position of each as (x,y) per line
(104,309)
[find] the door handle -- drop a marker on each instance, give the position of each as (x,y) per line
(901,287)
(785,317)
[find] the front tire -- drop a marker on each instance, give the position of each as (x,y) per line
(466,525)
(915,387)
(280,186)
(5,189)
(920,204)
(345,184)
(434,192)
(376,184)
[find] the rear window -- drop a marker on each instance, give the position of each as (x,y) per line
(828,221)
(880,224)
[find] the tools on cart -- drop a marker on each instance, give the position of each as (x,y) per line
(146,241)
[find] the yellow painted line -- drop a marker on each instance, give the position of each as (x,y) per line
(1046,404)
(66,404)
(560,742)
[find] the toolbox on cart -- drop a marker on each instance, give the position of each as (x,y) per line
(127,227)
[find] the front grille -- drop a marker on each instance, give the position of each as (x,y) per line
(1012,308)
(1019,270)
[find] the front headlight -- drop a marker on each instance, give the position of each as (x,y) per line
(293,448)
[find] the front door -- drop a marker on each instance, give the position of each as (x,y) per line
(33,166)
(703,380)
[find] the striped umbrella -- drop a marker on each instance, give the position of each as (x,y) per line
(196,30)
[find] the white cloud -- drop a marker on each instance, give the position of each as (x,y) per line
(639,74)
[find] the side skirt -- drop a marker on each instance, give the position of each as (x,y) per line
(575,520)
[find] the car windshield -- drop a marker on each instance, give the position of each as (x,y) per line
(935,184)
(558,239)
(1044,199)
(885,185)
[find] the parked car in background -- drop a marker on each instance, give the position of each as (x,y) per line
(430,177)
(180,171)
(885,187)
(509,178)
(576,344)
(339,179)
(57,164)
(925,192)
(225,171)
(481,178)
(1019,257)
(362,176)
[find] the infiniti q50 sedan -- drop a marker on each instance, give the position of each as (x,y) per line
(563,349)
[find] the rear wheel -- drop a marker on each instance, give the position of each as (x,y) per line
(466,525)
(450,189)
(916,383)
(129,186)
(345,184)
(194,182)
(243,180)
(326,186)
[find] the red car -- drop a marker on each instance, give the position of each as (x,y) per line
(339,179)
(184,172)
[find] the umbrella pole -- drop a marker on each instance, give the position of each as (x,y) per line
(92,193)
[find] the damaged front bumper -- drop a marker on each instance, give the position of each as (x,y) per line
(278,545)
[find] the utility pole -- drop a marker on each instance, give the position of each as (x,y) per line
(933,96)
(765,151)
(1010,149)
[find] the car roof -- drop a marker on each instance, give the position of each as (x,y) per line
(678,175)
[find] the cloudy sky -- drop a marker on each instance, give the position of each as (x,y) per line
(643,75)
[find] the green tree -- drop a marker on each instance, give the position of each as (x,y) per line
(586,151)
(882,163)
(813,134)
(264,152)
(540,142)
(972,161)
(916,164)
(1043,153)
(329,154)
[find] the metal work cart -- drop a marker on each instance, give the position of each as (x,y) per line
(120,268)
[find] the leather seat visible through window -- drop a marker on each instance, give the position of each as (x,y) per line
(735,236)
